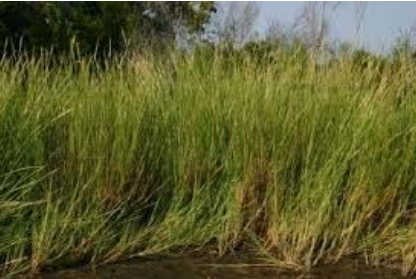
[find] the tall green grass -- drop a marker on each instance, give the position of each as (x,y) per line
(308,163)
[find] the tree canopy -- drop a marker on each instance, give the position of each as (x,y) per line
(96,27)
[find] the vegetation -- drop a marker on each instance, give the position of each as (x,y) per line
(302,151)
(96,27)
(306,162)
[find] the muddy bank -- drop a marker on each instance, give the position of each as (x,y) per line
(230,268)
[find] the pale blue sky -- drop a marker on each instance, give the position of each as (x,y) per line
(382,23)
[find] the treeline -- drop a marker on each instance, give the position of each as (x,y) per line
(96,28)
(101,29)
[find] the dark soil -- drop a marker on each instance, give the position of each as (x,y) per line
(227,268)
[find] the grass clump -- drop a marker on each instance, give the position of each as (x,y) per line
(309,162)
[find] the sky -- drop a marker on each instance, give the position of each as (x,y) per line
(382,24)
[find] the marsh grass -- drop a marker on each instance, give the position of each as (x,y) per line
(308,163)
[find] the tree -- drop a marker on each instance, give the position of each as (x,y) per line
(234,23)
(313,25)
(23,24)
(97,27)
(404,48)
(360,9)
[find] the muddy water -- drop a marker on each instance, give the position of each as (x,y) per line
(228,269)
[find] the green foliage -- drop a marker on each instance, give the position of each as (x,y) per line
(308,164)
(96,27)
(23,24)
